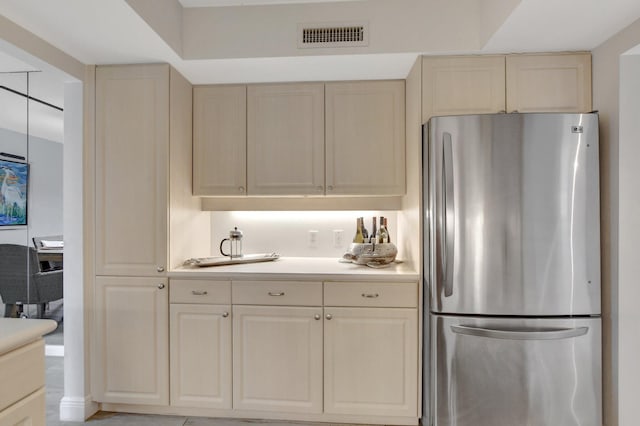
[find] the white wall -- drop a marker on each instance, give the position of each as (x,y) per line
(629,225)
(45,198)
(606,90)
(77,404)
(287,232)
(270,31)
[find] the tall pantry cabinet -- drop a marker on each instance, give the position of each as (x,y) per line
(143,145)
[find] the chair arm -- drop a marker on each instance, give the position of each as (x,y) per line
(45,275)
(49,285)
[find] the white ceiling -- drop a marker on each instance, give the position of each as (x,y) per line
(9,63)
(43,121)
(104,32)
(548,25)
(100,32)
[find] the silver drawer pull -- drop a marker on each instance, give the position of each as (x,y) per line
(199,292)
(225,314)
(271,293)
(370,295)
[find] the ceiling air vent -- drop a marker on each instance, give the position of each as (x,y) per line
(333,35)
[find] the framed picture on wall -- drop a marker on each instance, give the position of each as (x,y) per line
(14,179)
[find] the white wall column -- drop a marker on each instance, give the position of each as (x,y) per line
(76,405)
(629,240)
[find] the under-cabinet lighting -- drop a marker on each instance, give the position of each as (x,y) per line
(304,216)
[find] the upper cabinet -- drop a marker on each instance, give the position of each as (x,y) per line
(219,140)
(365,138)
(343,138)
(143,160)
(457,85)
(132,144)
(549,83)
(285,139)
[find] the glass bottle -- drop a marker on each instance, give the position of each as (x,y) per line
(358,238)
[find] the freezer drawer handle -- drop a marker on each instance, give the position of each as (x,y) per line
(563,333)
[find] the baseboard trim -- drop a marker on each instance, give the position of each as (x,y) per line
(54,350)
(77,409)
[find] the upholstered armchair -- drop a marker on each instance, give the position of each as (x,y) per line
(21,284)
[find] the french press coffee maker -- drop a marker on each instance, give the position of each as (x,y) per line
(235,243)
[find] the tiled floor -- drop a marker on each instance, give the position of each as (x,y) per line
(55,392)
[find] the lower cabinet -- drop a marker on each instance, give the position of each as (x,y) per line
(131,341)
(22,375)
(200,355)
(29,411)
(277,358)
(269,347)
(370,361)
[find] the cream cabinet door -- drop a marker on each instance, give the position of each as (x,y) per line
(219,140)
(277,358)
(132,143)
(455,85)
(371,361)
(130,362)
(200,355)
(285,139)
(549,83)
(365,138)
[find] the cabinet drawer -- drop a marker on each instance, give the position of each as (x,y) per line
(200,291)
(21,372)
(400,295)
(28,411)
(301,293)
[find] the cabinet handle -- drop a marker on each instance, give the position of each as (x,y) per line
(225,314)
(370,295)
(330,187)
(199,292)
(271,293)
(160,269)
(317,316)
(160,286)
(241,189)
(329,316)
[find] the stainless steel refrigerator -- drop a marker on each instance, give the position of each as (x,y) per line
(512,270)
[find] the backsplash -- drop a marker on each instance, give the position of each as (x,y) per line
(287,232)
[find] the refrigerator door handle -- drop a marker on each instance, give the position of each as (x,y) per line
(448,214)
(524,334)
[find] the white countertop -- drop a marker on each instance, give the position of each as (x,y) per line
(16,332)
(301,268)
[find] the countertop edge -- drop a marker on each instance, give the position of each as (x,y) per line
(399,277)
(305,269)
(17,332)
